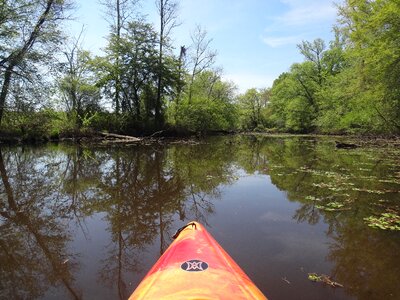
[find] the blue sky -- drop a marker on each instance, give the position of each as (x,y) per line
(255,39)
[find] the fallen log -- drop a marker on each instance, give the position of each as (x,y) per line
(120,137)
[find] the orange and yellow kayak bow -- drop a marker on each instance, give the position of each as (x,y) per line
(196,267)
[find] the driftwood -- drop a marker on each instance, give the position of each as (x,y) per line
(157,133)
(119,137)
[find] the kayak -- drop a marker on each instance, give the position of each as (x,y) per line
(196,267)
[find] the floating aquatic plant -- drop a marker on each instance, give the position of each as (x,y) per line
(323,278)
(314,277)
(394,180)
(336,189)
(331,206)
(369,191)
(312,198)
(387,221)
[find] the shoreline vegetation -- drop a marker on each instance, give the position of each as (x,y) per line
(167,136)
(143,85)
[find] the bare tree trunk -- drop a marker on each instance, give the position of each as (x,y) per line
(117,77)
(157,116)
(4,90)
(182,55)
(167,10)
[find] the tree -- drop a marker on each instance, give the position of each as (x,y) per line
(139,70)
(211,107)
(26,42)
(140,57)
(167,10)
(372,31)
(77,86)
(293,99)
(253,104)
(201,57)
(118,13)
(313,52)
(300,97)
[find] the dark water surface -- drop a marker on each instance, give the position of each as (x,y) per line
(79,222)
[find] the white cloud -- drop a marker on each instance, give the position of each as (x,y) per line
(311,13)
(302,19)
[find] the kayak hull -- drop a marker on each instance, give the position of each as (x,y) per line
(195,266)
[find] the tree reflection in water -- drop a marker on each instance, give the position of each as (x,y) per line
(141,192)
(45,191)
(33,239)
(312,173)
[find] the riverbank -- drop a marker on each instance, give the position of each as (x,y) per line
(186,136)
(359,140)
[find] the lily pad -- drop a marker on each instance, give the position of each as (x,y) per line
(386,221)
(331,206)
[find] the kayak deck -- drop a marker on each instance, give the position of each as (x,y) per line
(196,267)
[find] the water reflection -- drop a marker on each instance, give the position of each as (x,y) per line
(50,194)
(33,239)
(343,187)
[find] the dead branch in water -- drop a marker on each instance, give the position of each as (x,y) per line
(119,137)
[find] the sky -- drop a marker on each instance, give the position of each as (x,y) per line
(255,39)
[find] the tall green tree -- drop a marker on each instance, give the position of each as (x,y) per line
(139,66)
(118,14)
(201,56)
(293,98)
(253,105)
(313,52)
(139,70)
(77,85)
(299,97)
(29,35)
(167,11)
(211,107)
(372,30)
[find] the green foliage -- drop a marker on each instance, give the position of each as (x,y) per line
(29,36)
(297,96)
(373,28)
(128,76)
(352,87)
(253,107)
(210,107)
(79,93)
(110,122)
(200,116)
(293,101)
(33,126)
(299,115)
(349,85)
(203,116)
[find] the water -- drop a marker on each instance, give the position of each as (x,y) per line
(88,222)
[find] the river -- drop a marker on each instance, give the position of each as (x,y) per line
(88,222)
